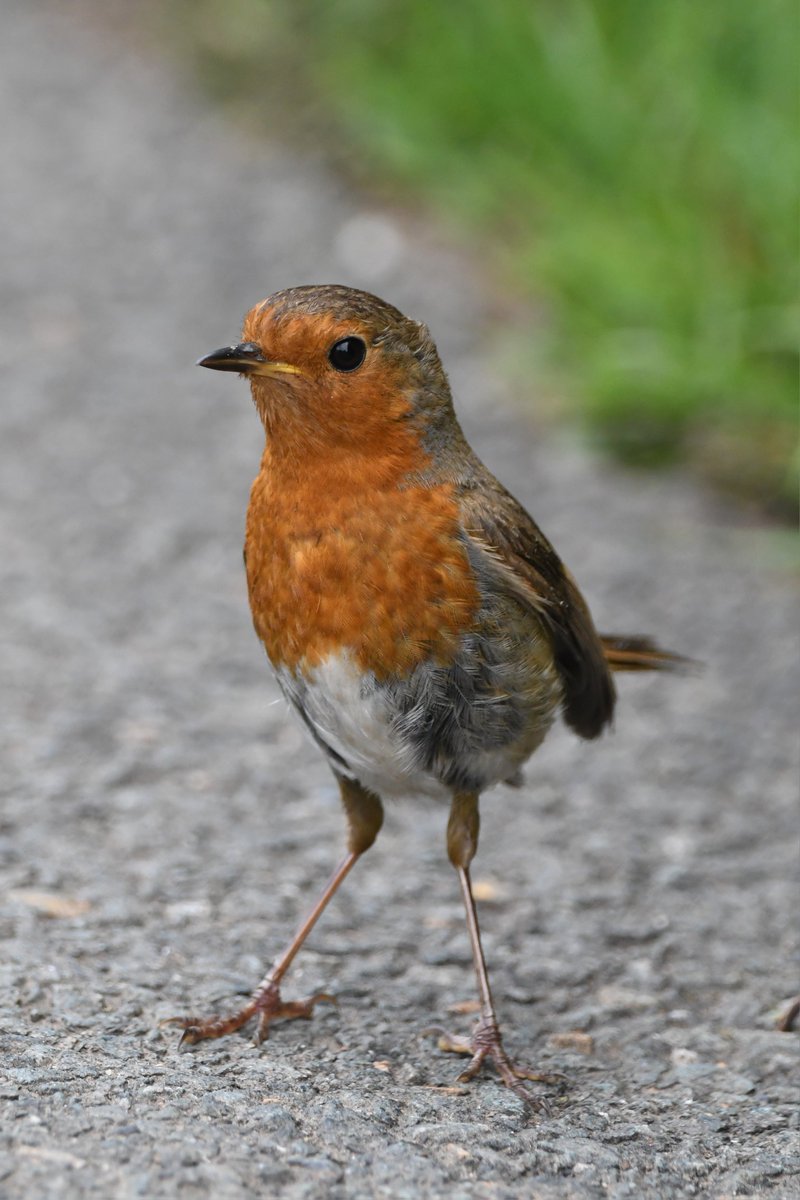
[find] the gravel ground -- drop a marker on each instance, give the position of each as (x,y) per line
(165,821)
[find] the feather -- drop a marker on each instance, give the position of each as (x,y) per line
(498,524)
(625,652)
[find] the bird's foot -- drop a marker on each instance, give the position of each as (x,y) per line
(486,1043)
(265,1005)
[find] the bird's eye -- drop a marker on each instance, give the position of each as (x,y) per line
(347,354)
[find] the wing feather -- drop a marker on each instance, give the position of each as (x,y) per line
(500,527)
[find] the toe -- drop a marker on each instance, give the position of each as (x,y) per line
(450,1043)
(261,1034)
(551,1078)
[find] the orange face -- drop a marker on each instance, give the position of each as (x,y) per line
(350,405)
(324,377)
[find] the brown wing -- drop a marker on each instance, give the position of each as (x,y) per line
(498,524)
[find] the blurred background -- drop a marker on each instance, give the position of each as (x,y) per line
(629,167)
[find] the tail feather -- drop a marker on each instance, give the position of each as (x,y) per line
(632,653)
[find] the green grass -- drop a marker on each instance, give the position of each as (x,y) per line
(632,164)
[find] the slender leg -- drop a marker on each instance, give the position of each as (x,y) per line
(485,1042)
(364,817)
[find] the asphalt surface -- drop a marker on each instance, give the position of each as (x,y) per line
(165,822)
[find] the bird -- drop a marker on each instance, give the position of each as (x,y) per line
(414,614)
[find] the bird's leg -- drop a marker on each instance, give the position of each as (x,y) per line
(364,814)
(485,1041)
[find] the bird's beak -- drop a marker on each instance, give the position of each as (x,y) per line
(247,359)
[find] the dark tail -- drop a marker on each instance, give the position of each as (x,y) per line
(640,654)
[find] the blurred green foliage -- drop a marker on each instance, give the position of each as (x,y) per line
(632,163)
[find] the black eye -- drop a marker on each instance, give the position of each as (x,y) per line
(347,354)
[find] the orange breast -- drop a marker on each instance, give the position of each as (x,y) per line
(376,569)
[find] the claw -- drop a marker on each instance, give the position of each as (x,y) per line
(266,1004)
(486,1043)
(450,1043)
(192,1033)
(289,1010)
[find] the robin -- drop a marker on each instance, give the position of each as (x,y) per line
(414,614)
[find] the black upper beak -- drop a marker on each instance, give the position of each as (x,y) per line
(244,358)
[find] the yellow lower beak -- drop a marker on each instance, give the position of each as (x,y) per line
(246,359)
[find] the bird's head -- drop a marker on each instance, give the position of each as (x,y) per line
(332,366)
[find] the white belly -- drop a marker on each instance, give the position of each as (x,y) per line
(353,717)
(435,733)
